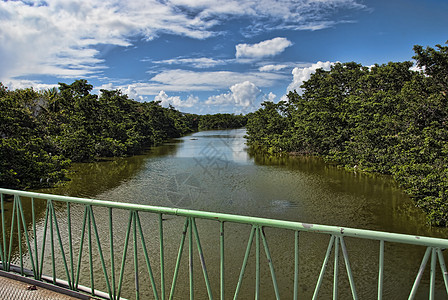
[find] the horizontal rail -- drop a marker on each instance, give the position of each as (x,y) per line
(300,226)
(44,244)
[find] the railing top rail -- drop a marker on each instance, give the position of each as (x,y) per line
(223,217)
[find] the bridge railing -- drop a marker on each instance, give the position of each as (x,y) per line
(61,235)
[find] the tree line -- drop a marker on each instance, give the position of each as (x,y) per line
(42,132)
(385,118)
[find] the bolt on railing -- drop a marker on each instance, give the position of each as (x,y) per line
(24,240)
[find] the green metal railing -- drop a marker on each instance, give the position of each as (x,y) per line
(40,243)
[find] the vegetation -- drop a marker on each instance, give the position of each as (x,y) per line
(386,118)
(221,121)
(43,132)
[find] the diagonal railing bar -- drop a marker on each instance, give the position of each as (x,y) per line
(27,239)
(61,247)
(24,245)
(3,245)
(145,251)
(89,241)
(436,255)
(202,259)
(324,266)
(43,240)
(53,256)
(123,261)
(36,251)
(443,268)
(243,267)
(83,231)
(100,251)
(70,246)
(335,241)
(271,264)
(420,273)
(19,232)
(179,256)
(11,238)
(348,268)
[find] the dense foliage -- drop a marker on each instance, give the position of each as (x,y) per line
(43,132)
(385,118)
(221,121)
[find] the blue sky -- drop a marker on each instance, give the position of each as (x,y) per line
(206,56)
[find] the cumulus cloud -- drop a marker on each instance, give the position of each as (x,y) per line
(270,97)
(200,63)
(241,94)
(263,49)
(175,100)
(183,80)
(303,74)
(63,38)
(270,68)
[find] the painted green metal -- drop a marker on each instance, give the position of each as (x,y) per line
(381,271)
(348,268)
(243,267)
(27,241)
(162,257)
(179,256)
(271,264)
(221,265)
(420,273)
(296,265)
(145,252)
(324,266)
(336,268)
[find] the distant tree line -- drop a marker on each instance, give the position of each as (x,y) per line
(386,118)
(221,121)
(42,132)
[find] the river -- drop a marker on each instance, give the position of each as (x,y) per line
(213,171)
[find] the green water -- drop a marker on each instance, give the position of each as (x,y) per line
(213,171)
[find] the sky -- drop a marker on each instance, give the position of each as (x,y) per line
(206,56)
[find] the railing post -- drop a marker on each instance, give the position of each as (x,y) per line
(296,265)
(336,268)
(190,257)
(381,271)
(221,267)
(18,230)
(162,258)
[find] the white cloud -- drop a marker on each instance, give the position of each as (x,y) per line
(303,74)
(270,97)
(263,49)
(22,84)
(202,62)
(183,80)
(62,37)
(175,100)
(270,68)
(241,94)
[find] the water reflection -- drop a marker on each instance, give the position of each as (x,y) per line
(213,171)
